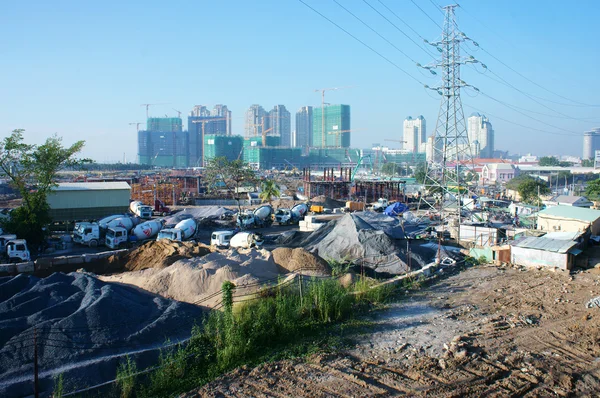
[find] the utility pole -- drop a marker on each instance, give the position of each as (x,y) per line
(451,143)
(36,386)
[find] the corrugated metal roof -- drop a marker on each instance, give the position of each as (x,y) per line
(567,199)
(575,213)
(560,243)
(92,186)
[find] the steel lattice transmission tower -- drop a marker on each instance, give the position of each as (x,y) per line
(451,148)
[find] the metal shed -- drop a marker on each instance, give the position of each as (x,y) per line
(73,201)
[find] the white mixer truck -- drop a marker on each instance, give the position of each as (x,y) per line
(183,230)
(291,216)
(93,233)
(261,217)
(141,210)
(119,237)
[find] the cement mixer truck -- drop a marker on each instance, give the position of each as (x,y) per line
(92,234)
(259,218)
(141,210)
(119,237)
(291,216)
(183,230)
(246,240)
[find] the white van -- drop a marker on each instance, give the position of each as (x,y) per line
(221,238)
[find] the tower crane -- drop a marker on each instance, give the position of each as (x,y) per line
(400,141)
(337,134)
(136,124)
(203,123)
(322,91)
(178,113)
(262,128)
(149,105)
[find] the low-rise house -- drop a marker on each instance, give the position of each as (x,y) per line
(569,219)
(555,249)
(498,172)
(568,200)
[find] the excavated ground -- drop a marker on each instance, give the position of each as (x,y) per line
(485,331)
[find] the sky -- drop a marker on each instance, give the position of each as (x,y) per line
(82,69)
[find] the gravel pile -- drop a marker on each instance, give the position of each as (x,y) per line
(162,253)
(84,328)
(292,260)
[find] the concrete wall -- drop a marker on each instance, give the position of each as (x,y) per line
(556,224)
(539,258)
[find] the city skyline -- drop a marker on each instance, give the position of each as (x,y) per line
(81,81)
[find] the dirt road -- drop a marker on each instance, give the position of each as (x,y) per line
(483,332)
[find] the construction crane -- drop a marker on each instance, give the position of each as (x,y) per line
(337,134)
(203,122)
(136,124)
(262,128)
(178,113)
(358,164)
(149,105)
(322,90)
(400,141)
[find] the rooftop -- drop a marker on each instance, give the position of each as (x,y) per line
(575,213)
(92,186)
(567,199)
(557,242)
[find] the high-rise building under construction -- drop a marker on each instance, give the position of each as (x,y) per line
(163,143)
(336,121)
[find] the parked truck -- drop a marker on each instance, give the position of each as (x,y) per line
(92,234)
(16,251)
(141,210)
(291,216)
(221,238)
(261,217)
(119,237)
(380,205)
(183,230)
(160,209)
(4,239)
(246,240)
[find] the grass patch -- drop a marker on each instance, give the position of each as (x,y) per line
(284,324)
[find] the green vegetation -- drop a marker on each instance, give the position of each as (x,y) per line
(391,169)
(59,386)
(528,187)
(553,161)
(421,172)
(340,267)
(229,176)
(32,171)
(280,324)
(269,190)
(592,190)
(587,163)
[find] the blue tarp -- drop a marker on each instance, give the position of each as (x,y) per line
(395,209)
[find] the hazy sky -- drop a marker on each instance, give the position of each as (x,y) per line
(82,69)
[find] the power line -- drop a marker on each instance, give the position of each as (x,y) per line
(575,103)
(427,15)
(364,44)
(437,7)
(374,31)
(398,29)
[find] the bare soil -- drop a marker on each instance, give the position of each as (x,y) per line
(485,331)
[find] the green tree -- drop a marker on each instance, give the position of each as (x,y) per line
(529,188)
(549,161)
(32,171)
(391,169)
(587,163)
(592,190)
(421,172)
(228,176)
(269,189)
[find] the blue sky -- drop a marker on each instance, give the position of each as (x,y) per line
(81,69)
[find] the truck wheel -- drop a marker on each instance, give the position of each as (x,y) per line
(93,243)
(164,213)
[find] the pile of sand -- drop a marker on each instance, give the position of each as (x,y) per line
(300,260)
(327,202)
(198,279)
(162,253)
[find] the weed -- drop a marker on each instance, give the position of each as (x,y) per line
(339,267)
(126,377)
(368,294)
(59,388)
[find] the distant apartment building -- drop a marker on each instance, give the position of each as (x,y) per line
(304,128)
(591,143)
(279,124)
(256,119)
(415,134)
(481,136)
(222,111)
(163,143)
(202,122)
(336,120)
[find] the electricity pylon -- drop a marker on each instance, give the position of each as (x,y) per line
(451,148)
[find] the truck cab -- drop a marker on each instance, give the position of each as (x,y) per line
(145,212)
(170,234)
(381,204)
(221,238)
(4,239)
(87,233)
(116,237)
(17,251)
(283,216)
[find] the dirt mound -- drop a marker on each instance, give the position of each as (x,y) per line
(327,202)
(292,260)
(199,279)
(162,253)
